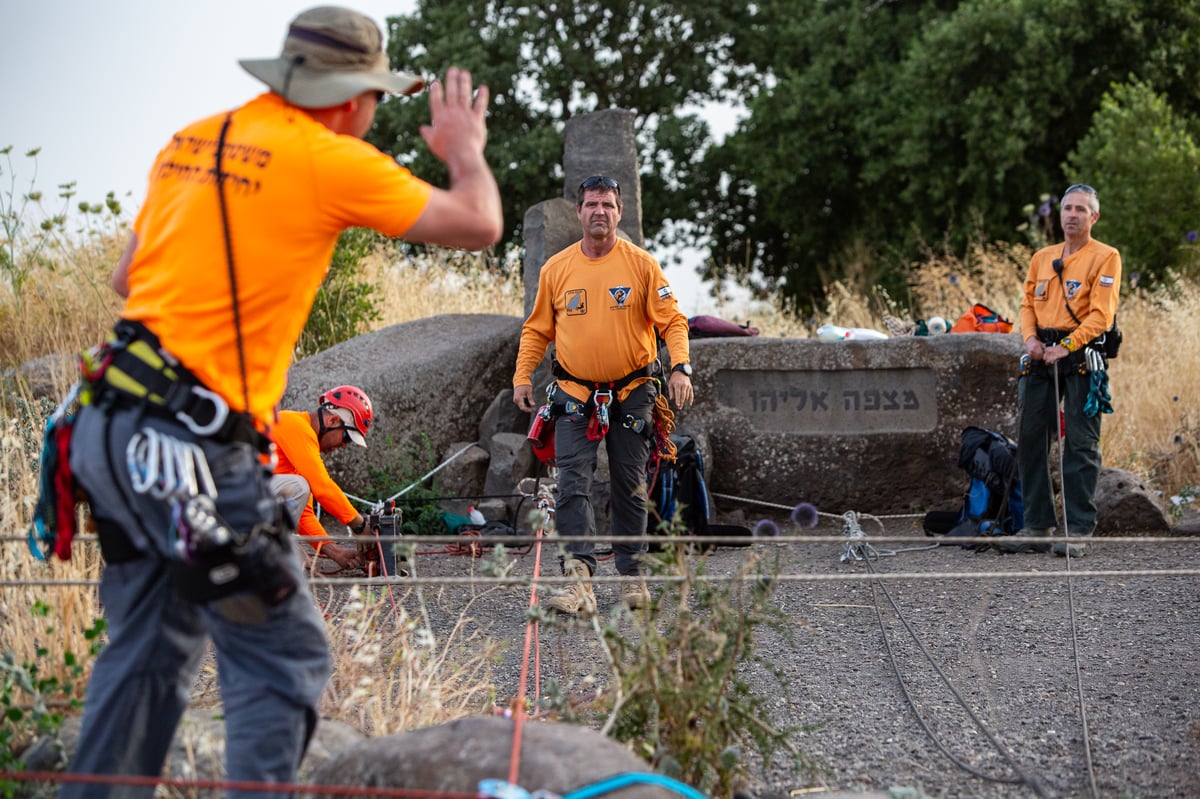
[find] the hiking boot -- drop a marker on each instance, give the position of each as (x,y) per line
(1061,548)
(577,597)
(1025,546)
(635,595)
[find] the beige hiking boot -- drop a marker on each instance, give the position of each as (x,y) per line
(635,595)
(576,597)
(1081,550)
(1025,546)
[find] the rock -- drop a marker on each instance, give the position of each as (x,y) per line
(464,475)
(872,426)
(431,381)
(198,749)
(511,461)
(502,416)
(1126,505)
(49,376)
(454,758)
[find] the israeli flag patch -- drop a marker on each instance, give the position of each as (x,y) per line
(1106,280)
(664,293)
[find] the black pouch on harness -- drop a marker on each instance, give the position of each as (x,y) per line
(1112,341)
(216,564)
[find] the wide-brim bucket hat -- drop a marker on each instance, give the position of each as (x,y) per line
(330,55)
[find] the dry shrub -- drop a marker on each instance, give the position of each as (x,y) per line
(67,305)
(444,282)
(1154,430)
(392,672)
(46,627)
(947,286)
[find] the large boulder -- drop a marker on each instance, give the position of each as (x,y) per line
(431,381)
(872,426)
(455,757)
(197,750)
(1126,505)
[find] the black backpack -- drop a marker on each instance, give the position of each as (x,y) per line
(992,503)
(679,486)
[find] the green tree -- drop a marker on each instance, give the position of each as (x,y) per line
(897,124)
(1145,157)
(346,303)
(546,62)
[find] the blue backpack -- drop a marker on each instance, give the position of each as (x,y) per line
(992,502)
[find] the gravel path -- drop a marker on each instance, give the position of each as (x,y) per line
(999,627)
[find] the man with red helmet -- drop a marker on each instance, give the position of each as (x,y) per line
(343,416)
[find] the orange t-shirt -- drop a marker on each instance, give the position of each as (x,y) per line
(1090,282)
(292,186)
(602,315)
(299,453)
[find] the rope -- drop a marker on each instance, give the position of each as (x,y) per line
(191,786)
(417,482)
(1062,485)
(708,578)
(764,504)
(633,778)
(1022,778)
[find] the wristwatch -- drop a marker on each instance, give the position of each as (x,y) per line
(686,368)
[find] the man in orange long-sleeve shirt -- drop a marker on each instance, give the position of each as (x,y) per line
(602,302)
(1070,302)
(343,416)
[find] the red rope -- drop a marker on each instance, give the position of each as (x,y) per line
(531,640)
(235,785)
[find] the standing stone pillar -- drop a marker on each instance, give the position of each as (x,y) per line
(600,143)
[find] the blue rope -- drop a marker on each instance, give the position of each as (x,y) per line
(633,778)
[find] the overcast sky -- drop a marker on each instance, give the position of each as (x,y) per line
(100,86)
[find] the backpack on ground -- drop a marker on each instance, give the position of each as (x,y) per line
(992,503)
(679,487)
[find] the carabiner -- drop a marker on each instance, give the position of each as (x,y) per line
(220,413)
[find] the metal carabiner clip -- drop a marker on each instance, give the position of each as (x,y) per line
(220,413)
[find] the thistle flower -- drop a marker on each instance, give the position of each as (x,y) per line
(766,529)
(805,515)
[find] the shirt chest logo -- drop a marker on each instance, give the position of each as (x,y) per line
(1072,287)
(575,302)
(620,295)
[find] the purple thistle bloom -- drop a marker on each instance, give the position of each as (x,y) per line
(1192,236)
(953,280)
(805,515)
(766,529)
(1044,209)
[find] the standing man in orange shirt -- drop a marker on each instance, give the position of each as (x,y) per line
(343,416)
(603,302)
(173,449)
(1070,302)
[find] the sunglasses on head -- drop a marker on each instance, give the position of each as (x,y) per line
(599,180)
(1083,187)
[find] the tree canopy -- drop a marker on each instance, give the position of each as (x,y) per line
(546,62)
(871,126)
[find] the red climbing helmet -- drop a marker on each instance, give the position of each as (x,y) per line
(353,405)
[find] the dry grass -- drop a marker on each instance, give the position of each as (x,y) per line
(391,673)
